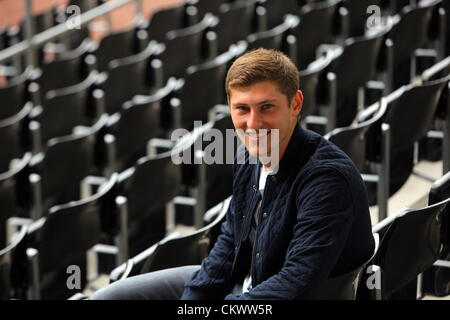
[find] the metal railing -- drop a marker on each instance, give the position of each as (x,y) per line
(33,41)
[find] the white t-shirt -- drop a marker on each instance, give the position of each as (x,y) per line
(247,285)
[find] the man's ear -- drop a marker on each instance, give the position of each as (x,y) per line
(297,103)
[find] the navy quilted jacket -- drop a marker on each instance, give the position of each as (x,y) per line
(314,223)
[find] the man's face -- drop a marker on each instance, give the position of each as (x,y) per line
(257,110)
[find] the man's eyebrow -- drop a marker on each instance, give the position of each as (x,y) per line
(258,103)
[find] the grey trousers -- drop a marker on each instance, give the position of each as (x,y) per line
(167,284)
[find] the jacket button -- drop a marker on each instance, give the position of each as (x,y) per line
(235,248)
(265,215)
(257,255)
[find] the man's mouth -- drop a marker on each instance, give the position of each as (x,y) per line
(257,134)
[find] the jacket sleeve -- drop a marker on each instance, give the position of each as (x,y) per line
(212,280)
(325,212)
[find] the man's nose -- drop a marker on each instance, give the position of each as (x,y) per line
(254,120)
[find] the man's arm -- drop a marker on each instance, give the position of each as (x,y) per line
(325,212)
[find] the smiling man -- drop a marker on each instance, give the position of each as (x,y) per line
(295,219)
(299,213)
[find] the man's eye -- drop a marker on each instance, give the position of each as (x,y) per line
(267,106)
(242,108)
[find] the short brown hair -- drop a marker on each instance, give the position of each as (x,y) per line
(263,65)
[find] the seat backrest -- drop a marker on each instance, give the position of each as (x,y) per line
(166,19)
(137,123)
(409,245)
(190,249)
(412,21)
(67,160)
(357,63)
(276,11)
(65,108)
(114,46)
(419,103)
(228,31)
(135,69)
(153,183)
(311,34)
(311,80)
(12,136)
(71,229)
(207,77)
(13,267)
(12,194)
(358,15)
(273,38)
(187,40)
(440,191)
(14,95)
(211,6)
(352,140)
(68,69)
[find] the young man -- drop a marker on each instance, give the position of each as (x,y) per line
(298,217)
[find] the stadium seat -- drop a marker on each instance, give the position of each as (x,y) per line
(166,19)
(140,75)
(13,268)
(13,137)
(310,34)
(352,68)
(58,170)
(64,109)
(175,250)
(130,130)
(276,11)
(194,44)
(410,244)
(436,279)
(396,139)
(189,102)
(358,13)
(227,30)
(62,239)
(15,94)
(67,69)
(12,194)
(274,38)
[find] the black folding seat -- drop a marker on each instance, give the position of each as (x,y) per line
(116,45)
(274,38)
(67,69)
(352,69)
(15,94)
(437,144)
(13,267)
(146,189)
(352,139)
(358,13)
(310,34)
(63,109)
(59,243)
(176,250)
(139,73)
(400,54)
(207,155)
(13,196)
(189,102)
(13,137)
(312,84)
(436,279)
(58,170)
(192,41)
(391,143)
(228,30)
(205,6)
(166,19)
(277,10)
(130,130)
(410,244)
